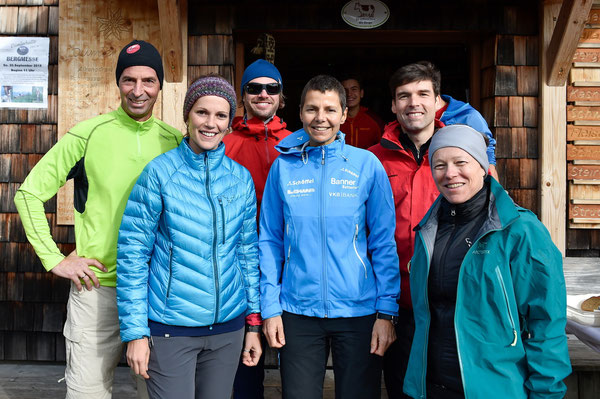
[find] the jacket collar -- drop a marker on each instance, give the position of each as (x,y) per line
(139,127)
(501,210)
(257,128)
(297,143)
(211,158)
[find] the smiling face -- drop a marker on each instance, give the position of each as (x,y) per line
(414,105)
(457,175)
(139,87)
(263,105)
(321,116)
(353,92)
(208,122)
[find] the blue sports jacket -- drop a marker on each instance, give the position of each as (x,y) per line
(187,249)
(327,226)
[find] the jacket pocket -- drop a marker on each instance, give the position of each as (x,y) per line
(222,218)
(507,302)
(170,271)
(356,250)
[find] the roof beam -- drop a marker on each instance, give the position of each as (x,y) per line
(569,26)
(170,34)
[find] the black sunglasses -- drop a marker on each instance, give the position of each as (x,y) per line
(257,88)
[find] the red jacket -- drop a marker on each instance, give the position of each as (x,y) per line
(252,144)
(364,130)
(414,192)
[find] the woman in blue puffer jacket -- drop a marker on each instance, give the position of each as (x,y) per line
(187,264)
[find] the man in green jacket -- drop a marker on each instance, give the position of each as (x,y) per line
(104,156)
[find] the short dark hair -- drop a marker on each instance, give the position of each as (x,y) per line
(324,83)
(349,76)
(417,72)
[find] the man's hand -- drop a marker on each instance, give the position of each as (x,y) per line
(138,356)
(273,329)
(382,336)
(76,268)
(252,349)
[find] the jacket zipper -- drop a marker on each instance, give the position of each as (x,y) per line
(428,321)
(267,144)
(356,250)
(222,218)
(214,241)
(287,232)
(510,317)
(323,234)
(170,270)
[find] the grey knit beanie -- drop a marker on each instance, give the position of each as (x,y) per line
(210,85)
(464,137)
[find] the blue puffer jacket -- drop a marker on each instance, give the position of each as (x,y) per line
(461,112)
(316,256)
(192,219)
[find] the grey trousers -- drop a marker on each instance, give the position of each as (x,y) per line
(194,367)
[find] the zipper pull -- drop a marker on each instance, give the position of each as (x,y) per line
(322,155)
(516,338)
(452,212)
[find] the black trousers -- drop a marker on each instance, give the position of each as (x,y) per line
(395,360)
(303,359)
(249,381)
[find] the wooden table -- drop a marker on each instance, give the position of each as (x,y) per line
(582,276)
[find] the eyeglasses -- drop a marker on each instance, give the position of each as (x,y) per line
(257,88)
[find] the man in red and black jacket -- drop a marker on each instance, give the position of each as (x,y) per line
(252,144)
(403,151)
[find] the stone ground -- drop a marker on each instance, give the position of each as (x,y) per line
(39,380)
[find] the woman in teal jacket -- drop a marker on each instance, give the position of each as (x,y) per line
(487,287)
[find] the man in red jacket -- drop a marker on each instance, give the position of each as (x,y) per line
(252,144)
(362,127)
(403,151)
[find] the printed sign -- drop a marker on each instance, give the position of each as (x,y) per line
(365,14)
(24,72)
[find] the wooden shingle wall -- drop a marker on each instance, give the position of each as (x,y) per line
(509,93)
(32,301)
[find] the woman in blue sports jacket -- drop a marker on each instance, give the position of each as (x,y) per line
(187,264)
(487,287)
(329,267)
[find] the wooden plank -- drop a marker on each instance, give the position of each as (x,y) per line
(575,113)
(530,111)
(584,191)
(501,112)
(591,93)
(506,80)
(239,72)
(173,93)
(520,50)
(528,170)
(592,182)
(533,54)
(8,20)
(518,142)
(593,17)
(552,138)
(584,55)
(86,67)
(583,152)
(588,172)
(515,111)
(170,32)
(585,201)
(527,80)
(590,36)
(42,20)
(568,29)
(582,75)
(27,24)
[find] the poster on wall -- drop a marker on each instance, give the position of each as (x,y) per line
(24,72)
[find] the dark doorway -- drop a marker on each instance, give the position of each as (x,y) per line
(299,60)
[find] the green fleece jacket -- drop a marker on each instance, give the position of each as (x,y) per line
(510,307)
(104,156)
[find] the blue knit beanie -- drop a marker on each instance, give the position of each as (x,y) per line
(209,85)
(259,69)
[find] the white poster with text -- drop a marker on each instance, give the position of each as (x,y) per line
(24,72)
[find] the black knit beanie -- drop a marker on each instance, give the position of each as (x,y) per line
(139,52)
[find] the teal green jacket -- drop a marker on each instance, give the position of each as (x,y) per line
(510,307)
